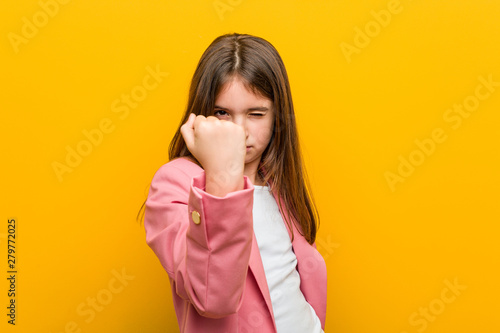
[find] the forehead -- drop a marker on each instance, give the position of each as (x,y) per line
(235,92)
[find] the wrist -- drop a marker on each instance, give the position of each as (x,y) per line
(221,183)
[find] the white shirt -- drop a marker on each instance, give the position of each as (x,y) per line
(292,313)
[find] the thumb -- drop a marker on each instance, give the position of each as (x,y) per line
(187,131)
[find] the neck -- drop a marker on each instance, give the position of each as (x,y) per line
(252,174)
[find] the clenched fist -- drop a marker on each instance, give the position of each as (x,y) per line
(220,148)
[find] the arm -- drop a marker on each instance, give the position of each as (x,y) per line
(208,261)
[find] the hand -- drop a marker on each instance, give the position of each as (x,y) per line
(220,148)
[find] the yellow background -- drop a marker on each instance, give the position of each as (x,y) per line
(389,252)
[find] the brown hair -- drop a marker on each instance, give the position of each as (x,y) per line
(261,69)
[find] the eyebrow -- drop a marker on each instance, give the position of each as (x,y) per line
(256,108)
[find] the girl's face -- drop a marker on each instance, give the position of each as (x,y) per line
(253,112)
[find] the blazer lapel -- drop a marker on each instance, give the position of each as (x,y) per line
(257,268)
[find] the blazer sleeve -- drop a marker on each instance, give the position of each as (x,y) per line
(207,262)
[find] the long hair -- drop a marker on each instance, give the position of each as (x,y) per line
(261,69)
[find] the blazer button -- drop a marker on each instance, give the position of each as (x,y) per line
(196,217)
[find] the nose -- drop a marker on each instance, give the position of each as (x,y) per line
(246,132)
(242,122)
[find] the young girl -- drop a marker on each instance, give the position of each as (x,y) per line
(231,217)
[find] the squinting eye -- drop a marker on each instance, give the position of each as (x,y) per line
(256,114)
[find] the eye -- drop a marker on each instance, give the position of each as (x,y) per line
(220,112)
(257,114)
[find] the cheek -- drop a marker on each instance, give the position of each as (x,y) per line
(263,134)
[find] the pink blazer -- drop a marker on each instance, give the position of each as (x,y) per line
(212,258)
